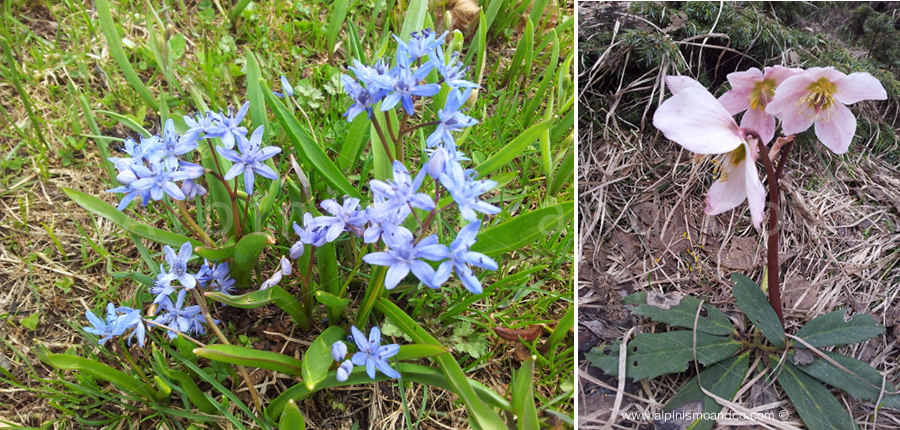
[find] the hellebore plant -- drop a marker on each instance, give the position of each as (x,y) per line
(694,119)
(425,221)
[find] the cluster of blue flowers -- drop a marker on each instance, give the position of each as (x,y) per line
(174,314)
(394,201)
(369,353)
(158,162)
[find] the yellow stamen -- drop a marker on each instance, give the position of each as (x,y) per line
(763,92)
(726,162)
(819,99)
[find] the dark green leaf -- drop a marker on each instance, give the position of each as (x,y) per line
(276,294)
(753,302)
(816,405)
(291,418)
(523,229)
(318,357)
(831,329)
(523,397)
(246,256)
(255,93)
(654,354)
(830,374)
(722,379)
(712,321)
(215,254)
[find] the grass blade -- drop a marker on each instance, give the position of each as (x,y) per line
(115,49)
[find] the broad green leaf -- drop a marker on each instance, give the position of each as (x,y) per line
(318,357)
(523,229)
(830,374)
(415,351)
(357,136)
(246,256)
(523,397)
(115,49)
(276,294)
(712,321)
(329,282)
(250,357)
(561,330)
(331,300)
(291,417)
(722,379)
(192,391)
(410,372)
(513,149)
(312,156)
(754,303)
(215,254)
(413,18)
(381,161)
(831,329)
(483,416)
(816,405)
(564,173)
(102,371)
(255,94)
(99,207)
(654,354)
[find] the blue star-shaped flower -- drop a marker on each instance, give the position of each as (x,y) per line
(372,354)
(249,160)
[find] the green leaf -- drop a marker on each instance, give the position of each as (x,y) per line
(215,254)
(255,93)
(523,396)
(410,372)
(276,294)
(31,321)
(523,229)
(416,351)
(318,357)
(722,379)
(338,14)
(311,154)
(115,49)
(712,321)
(513,149)
(816,405)
(831,329)
(381,160)
(246,256)
(357,136)
(102,371)
(480,415)
(291,417)
(654,354)
(329,299)
(250,357)
(192,391)
(753,302)
(329,281)
(830,374)
(413,18)
(105,210)
(564,173)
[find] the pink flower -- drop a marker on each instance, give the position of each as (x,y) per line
(694,119)
(752,91)
(818,96)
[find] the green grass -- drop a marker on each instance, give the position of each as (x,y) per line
(189,56)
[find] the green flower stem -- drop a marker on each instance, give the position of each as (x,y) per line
(232,192)
(381,137)
(373,293)
(212,325)
(193,224)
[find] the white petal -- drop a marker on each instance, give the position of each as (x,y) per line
(696,120)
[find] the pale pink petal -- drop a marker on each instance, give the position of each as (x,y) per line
(726,195)
(837,132)
(829,73)
(736,100)
(859,86)
(745,80)
(677,83)
(779,73)
(756,193)
(761,122)
(787,94)
(697,121)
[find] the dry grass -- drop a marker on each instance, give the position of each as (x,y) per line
(642,227)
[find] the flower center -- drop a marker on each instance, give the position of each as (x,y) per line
(726,162)
(819,99)
(763,92)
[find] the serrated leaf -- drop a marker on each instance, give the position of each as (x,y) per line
(830,374)
(831,329)
(523,229)
(236,354)
(754,303)
(816,405)
(722,379)
(654,354)
(714,321)
(318,357)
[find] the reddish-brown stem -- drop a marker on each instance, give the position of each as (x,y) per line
(774,288)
